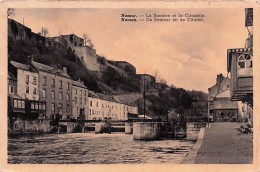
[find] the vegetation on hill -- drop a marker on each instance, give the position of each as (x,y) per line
(160,100)
(20,51)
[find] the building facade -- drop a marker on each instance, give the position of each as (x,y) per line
(102,107)
(220,107)
(240,67)
(24,114)
(55,89)
(27,82)
(80,103)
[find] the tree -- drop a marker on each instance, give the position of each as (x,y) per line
(85,37)
(45,32)
(10,12)
(87,40)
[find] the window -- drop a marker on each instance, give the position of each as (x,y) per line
(53,83)
(52,107)
(85,101)
(76,100)
(15,103)
(80,100)
(27,79)
(60,84)
(11,89)
(245,65)
(44,95)
(60,96)
(34,80)
(32,105)
(27,90)
(76,91)
(77,109)
(44,81)
(43,106)
(34,91)
(19,104)
(36,105)
(80,92)
(68,97)
(90,111)
(23,106)
(68,86)
(68,108)
(90,103)
(97,104)
(52,95)
(60,107)
(40,106)
(85,93)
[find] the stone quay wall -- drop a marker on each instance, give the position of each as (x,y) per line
(193,129)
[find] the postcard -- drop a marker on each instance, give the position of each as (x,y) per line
(129,86)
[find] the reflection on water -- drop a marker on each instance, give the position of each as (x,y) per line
(95,149)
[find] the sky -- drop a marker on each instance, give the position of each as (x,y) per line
(186,54)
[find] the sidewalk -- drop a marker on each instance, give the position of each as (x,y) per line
(223,144)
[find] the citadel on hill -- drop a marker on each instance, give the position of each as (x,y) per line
(86,53)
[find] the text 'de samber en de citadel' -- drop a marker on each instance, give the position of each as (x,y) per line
(163,17)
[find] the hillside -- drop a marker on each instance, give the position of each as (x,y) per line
(160,98)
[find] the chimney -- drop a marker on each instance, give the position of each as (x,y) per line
(32,58)
(65,70)
(218,81)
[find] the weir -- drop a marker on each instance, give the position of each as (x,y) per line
(128,128)
(146,130)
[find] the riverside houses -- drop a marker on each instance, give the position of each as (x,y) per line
(54,88)
(27,80)
(25,111)
(102,106)
(79,100)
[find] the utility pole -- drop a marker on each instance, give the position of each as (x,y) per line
(144,97)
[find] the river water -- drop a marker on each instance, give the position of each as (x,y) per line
(90,148)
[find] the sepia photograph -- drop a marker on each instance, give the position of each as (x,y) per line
(129,86)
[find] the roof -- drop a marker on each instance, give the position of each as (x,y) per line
(15,96)
(70,35)
(78,84)
(103,97)
(224,94)
(42,67)
(47,68)
(20,65)
(11,76)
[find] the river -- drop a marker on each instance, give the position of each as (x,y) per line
(90,148)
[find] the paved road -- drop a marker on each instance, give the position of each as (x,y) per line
(223,144)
